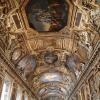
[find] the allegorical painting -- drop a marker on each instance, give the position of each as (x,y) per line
(47,15)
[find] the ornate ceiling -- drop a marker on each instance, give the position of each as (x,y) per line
(49,41)
(47,15)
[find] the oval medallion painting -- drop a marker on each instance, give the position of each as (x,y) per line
(47,15)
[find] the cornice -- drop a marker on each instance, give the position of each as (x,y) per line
(90,65)
(11,67)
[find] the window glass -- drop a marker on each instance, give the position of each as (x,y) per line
(0,86)
(19,94)
(6,90)
(25,96)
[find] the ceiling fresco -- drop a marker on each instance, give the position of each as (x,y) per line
(49,77)
(47,15)
(50,57)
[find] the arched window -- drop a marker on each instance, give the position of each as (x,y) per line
(6,89)
(25,96)
(19,93)
(1,83)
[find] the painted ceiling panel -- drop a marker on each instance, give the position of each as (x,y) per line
(47,15)
(48,77)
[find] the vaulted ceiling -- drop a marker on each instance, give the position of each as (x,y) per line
(49,41)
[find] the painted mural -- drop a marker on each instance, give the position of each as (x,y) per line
(47,15)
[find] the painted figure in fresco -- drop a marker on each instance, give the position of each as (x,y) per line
(47,15)
(73,64)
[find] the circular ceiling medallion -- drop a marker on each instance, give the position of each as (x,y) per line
(50,57)
(47,15)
